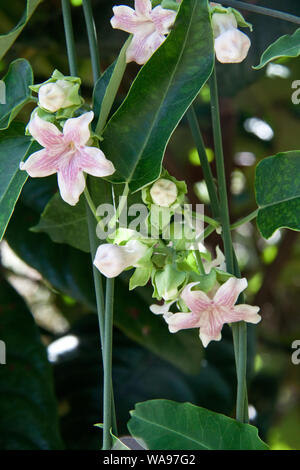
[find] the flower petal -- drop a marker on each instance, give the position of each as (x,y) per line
(182,321)
(143,46)
(40,164)
(245,312)
(228,293)
(211,324)
(126,19)
(162,309)
(71,182)
(197,301)
(206,338)
(46,134)
(92,160)
(163,19)
(77,129)
(143,7)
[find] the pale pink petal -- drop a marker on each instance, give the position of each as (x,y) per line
(127,20)
(163,19)
(40,164)
(197,301)
(71,183)
(92,160)
(46,134)
(143,46)
(77,129)
(245,312)
(211,324)
(228,293)
(206,338)
(182,321)
(143,7)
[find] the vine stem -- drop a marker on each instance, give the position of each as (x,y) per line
(238,329)
(69,35)
(262,11)
(92,37)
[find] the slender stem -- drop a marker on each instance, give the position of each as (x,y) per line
(69,34)
(262,11)
(107,387)
(244,220)
(211,188)
(92,37)
(91,204)
(112,88)
(240,339)
(199,262)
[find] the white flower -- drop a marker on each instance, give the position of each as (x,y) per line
(164,192)
(54,96)
(111,259)
(231,45)
(148,26)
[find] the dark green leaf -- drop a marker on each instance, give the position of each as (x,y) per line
(6,40)
(285,46)
(28,409)
(136,136)
(14,147)
(277,186)
(100,89)
(167,425)
(17,93)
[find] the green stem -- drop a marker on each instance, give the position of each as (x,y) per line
(107,387)
(69,34)
(199,262)
(207,173)
(262,11)
(244,220)
(92,37)
(112,88)
(240,339)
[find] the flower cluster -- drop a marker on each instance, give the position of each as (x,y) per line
(65,141)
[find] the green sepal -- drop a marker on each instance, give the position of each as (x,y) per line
(238,15)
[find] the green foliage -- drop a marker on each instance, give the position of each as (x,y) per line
(181,66)
(17,81)
(29,417)
(166,425)
(277,186)
(6,40)
(14,146)
(285,46)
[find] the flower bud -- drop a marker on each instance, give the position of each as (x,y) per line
(54,96)
(111,259)
(231,45)
(164,192)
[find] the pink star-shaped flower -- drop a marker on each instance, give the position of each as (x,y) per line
(66,154)
(210,314)
(149,28)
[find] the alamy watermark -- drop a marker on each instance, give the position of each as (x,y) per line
(2,92)
(296,94)
(296,354)
(2,352)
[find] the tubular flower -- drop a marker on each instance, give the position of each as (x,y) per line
(231,45)
(210,313)
(149,28)
(111,259)
(66,154)
(54,96)
(164,192)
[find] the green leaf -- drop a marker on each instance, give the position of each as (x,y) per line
(117,443)
(28,409)
(277,186)
(14,146)
(167,425)
(64,223)
(285,46)
(100,90)
(6,40)
(136,136)
(17,81)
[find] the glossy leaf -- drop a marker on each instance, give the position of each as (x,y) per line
(14,147)
(285,46)
(6,40)
(167,425)
(277,186)
(136,136)
(28,410)
(100,90)
(17,93)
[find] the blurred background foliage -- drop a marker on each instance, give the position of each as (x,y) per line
(54,403)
